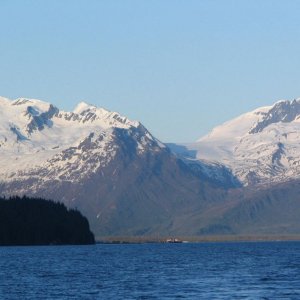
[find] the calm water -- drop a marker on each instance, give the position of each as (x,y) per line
(152,271)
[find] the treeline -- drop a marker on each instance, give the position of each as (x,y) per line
(35,221)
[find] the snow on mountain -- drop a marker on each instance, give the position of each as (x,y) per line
(34,133)
(262,146)
(111,168)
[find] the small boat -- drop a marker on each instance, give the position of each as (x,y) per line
(174,240)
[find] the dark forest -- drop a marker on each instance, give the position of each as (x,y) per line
(35,221)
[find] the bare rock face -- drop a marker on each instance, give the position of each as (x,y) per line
(283,111)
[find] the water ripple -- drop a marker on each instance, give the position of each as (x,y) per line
(152,271)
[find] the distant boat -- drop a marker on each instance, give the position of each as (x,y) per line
(174,240)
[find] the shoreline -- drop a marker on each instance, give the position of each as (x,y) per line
(195,239)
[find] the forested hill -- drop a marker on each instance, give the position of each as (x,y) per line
(35,221)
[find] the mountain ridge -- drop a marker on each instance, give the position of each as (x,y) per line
(128,183)
(114,170)
(260,146)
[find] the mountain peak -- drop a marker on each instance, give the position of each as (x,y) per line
(283,111)
(90,112)
(4,100)
(39,104)
(260,146)
(33,131)
(83,106)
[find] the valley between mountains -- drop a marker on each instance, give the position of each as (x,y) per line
(241,178)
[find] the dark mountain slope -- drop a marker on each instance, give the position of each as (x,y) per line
(112,169)
(136,194)
(272,210)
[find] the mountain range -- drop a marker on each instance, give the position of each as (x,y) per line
(241,178)
(260,147)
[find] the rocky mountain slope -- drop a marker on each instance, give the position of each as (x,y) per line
(270,210)
(128,183)
(122,178)
(260,147)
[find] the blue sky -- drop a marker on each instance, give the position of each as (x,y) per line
(180,67)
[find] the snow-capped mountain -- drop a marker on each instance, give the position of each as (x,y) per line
(128,183)
(34,134)
(262,146)
(112,169)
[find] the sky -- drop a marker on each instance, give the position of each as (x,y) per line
(180,67)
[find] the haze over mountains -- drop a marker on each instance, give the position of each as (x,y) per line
(129,183)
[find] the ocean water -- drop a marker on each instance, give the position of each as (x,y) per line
(152,271)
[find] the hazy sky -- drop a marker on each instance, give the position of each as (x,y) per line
(180,67)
